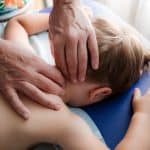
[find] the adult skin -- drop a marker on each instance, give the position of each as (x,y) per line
(72,34)
(22,71)
(73,37)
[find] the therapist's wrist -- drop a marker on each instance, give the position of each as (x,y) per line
(60,3)
(65,13)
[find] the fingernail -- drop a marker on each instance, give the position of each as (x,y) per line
(82,79)
(58,106)
(74,80)
(95,66)
(26,115)
(54,106)
(62,92)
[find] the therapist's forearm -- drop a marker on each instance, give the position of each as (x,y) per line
(137,136)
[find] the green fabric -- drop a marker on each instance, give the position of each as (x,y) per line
(11,7)
(2,4)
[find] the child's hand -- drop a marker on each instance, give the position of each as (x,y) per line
(141,104)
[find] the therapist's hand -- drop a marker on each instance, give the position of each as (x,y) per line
(21,71)
(73,38)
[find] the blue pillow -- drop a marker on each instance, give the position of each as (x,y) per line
(113,115)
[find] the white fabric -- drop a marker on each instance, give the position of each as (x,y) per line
(41,45)
(135,12)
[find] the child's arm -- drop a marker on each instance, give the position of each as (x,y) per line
(137,136)
(21,27)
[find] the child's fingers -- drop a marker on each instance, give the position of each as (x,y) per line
(137,94)
(148,92)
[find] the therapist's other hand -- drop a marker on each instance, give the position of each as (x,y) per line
(141,104)
(73,38)
(21,71)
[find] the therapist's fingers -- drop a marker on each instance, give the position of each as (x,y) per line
(93,50)
(60,57)
(52,73)
(46,84)
(10,94)
(37,95)
(82,60)
(71,57)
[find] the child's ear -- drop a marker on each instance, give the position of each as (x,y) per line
(99,93)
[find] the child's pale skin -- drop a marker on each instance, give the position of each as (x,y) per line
(47,125)
(44,125)
(63,127)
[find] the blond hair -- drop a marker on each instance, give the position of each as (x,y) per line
(122,56)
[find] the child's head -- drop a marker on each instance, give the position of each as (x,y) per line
(122,60)
(122,56)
